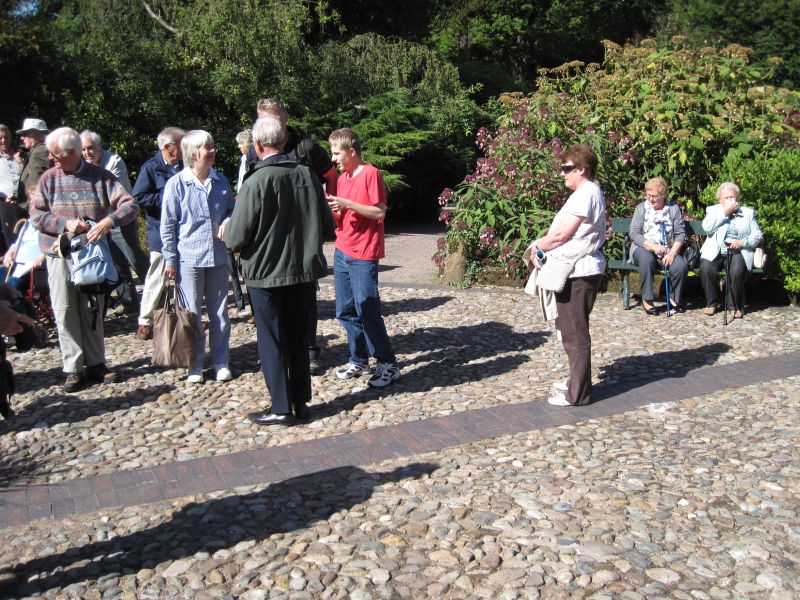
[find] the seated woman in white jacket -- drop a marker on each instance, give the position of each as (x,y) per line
(731,229)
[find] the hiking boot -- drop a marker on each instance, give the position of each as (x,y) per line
(73,383)
(143,332)
(100,374)
(385,373)
(350,370)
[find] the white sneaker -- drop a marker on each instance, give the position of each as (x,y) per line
(195,378)
(224,374)
(558,400)
(561,386)
(350,370)
(385,373)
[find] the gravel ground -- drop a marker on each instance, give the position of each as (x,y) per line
(694,499)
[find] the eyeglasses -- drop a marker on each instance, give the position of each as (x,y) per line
(566,168)
(652,196)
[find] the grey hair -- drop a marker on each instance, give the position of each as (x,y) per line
(270,132)
(168,135)
(270,105)
(727,186)
(65,139)
(244,138)
(192,142)
(97,142)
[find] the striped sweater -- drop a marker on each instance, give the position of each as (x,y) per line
(91,191)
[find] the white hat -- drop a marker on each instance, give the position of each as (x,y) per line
(33,125)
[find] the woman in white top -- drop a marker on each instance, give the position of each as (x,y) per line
(732,230)
(579,228)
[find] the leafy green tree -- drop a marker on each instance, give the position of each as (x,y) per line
(770,27)
(502,42)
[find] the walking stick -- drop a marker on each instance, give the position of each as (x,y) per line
(727,283)
(666,269)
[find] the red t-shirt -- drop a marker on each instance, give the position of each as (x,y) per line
(356,235)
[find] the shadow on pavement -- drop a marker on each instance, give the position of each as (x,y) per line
(441,356)
(211,525)
(631,372)
(326,309)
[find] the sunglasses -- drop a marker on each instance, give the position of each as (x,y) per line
(566,168)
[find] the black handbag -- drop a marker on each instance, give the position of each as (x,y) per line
(691,255)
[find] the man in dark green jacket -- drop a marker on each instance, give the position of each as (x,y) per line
(278,226)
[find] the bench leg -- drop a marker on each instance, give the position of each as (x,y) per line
(626,292)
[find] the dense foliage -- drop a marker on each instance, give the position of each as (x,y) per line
(671,111)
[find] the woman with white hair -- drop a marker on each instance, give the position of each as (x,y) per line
(732,231)
(197,206)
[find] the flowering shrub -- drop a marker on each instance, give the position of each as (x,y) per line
(647,111)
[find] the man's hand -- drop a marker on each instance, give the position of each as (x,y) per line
(76,226)
(10,256)
(11,321)
(170,272)
(11,200)
(100,230)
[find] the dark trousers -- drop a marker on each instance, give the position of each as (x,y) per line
(236,286)
(281,318)
(127,252)
(648,266)
(311,326)
(737,276)
(575,303)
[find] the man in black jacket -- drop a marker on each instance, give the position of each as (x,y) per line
(279,224)
(148,191)
(304,151)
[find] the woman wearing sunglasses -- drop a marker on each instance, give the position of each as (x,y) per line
(579,229)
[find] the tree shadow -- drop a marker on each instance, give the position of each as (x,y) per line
(441,356)
(210,525)
(630,372)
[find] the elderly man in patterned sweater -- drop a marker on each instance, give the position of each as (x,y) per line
(65,194)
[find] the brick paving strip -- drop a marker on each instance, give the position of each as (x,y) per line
(19,506)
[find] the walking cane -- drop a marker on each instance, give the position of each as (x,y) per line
(727,282)
(666,269)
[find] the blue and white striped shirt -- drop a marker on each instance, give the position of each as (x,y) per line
(191,215)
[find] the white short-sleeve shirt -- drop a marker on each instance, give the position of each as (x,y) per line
(588,202)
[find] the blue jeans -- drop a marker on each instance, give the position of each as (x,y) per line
(358,308)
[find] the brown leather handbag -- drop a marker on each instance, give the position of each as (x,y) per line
(175,331)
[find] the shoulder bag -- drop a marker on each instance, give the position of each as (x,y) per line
(174,332)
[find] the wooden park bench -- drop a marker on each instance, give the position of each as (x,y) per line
(623,226)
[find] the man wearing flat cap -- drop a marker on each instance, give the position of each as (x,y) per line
(36,162)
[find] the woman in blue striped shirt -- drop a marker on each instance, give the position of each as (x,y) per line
(196,208)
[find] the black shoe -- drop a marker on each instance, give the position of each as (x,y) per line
(270,418)
(5,407)
(678,308)
(313,362)
(73,383)
(100,374)
(651,312)
(301,412)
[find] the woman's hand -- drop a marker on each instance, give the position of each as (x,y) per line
(656,249)
(170,272)
(667,259)
(221,230)
(10,256)
(736,245)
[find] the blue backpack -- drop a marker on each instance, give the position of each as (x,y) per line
(93,270)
